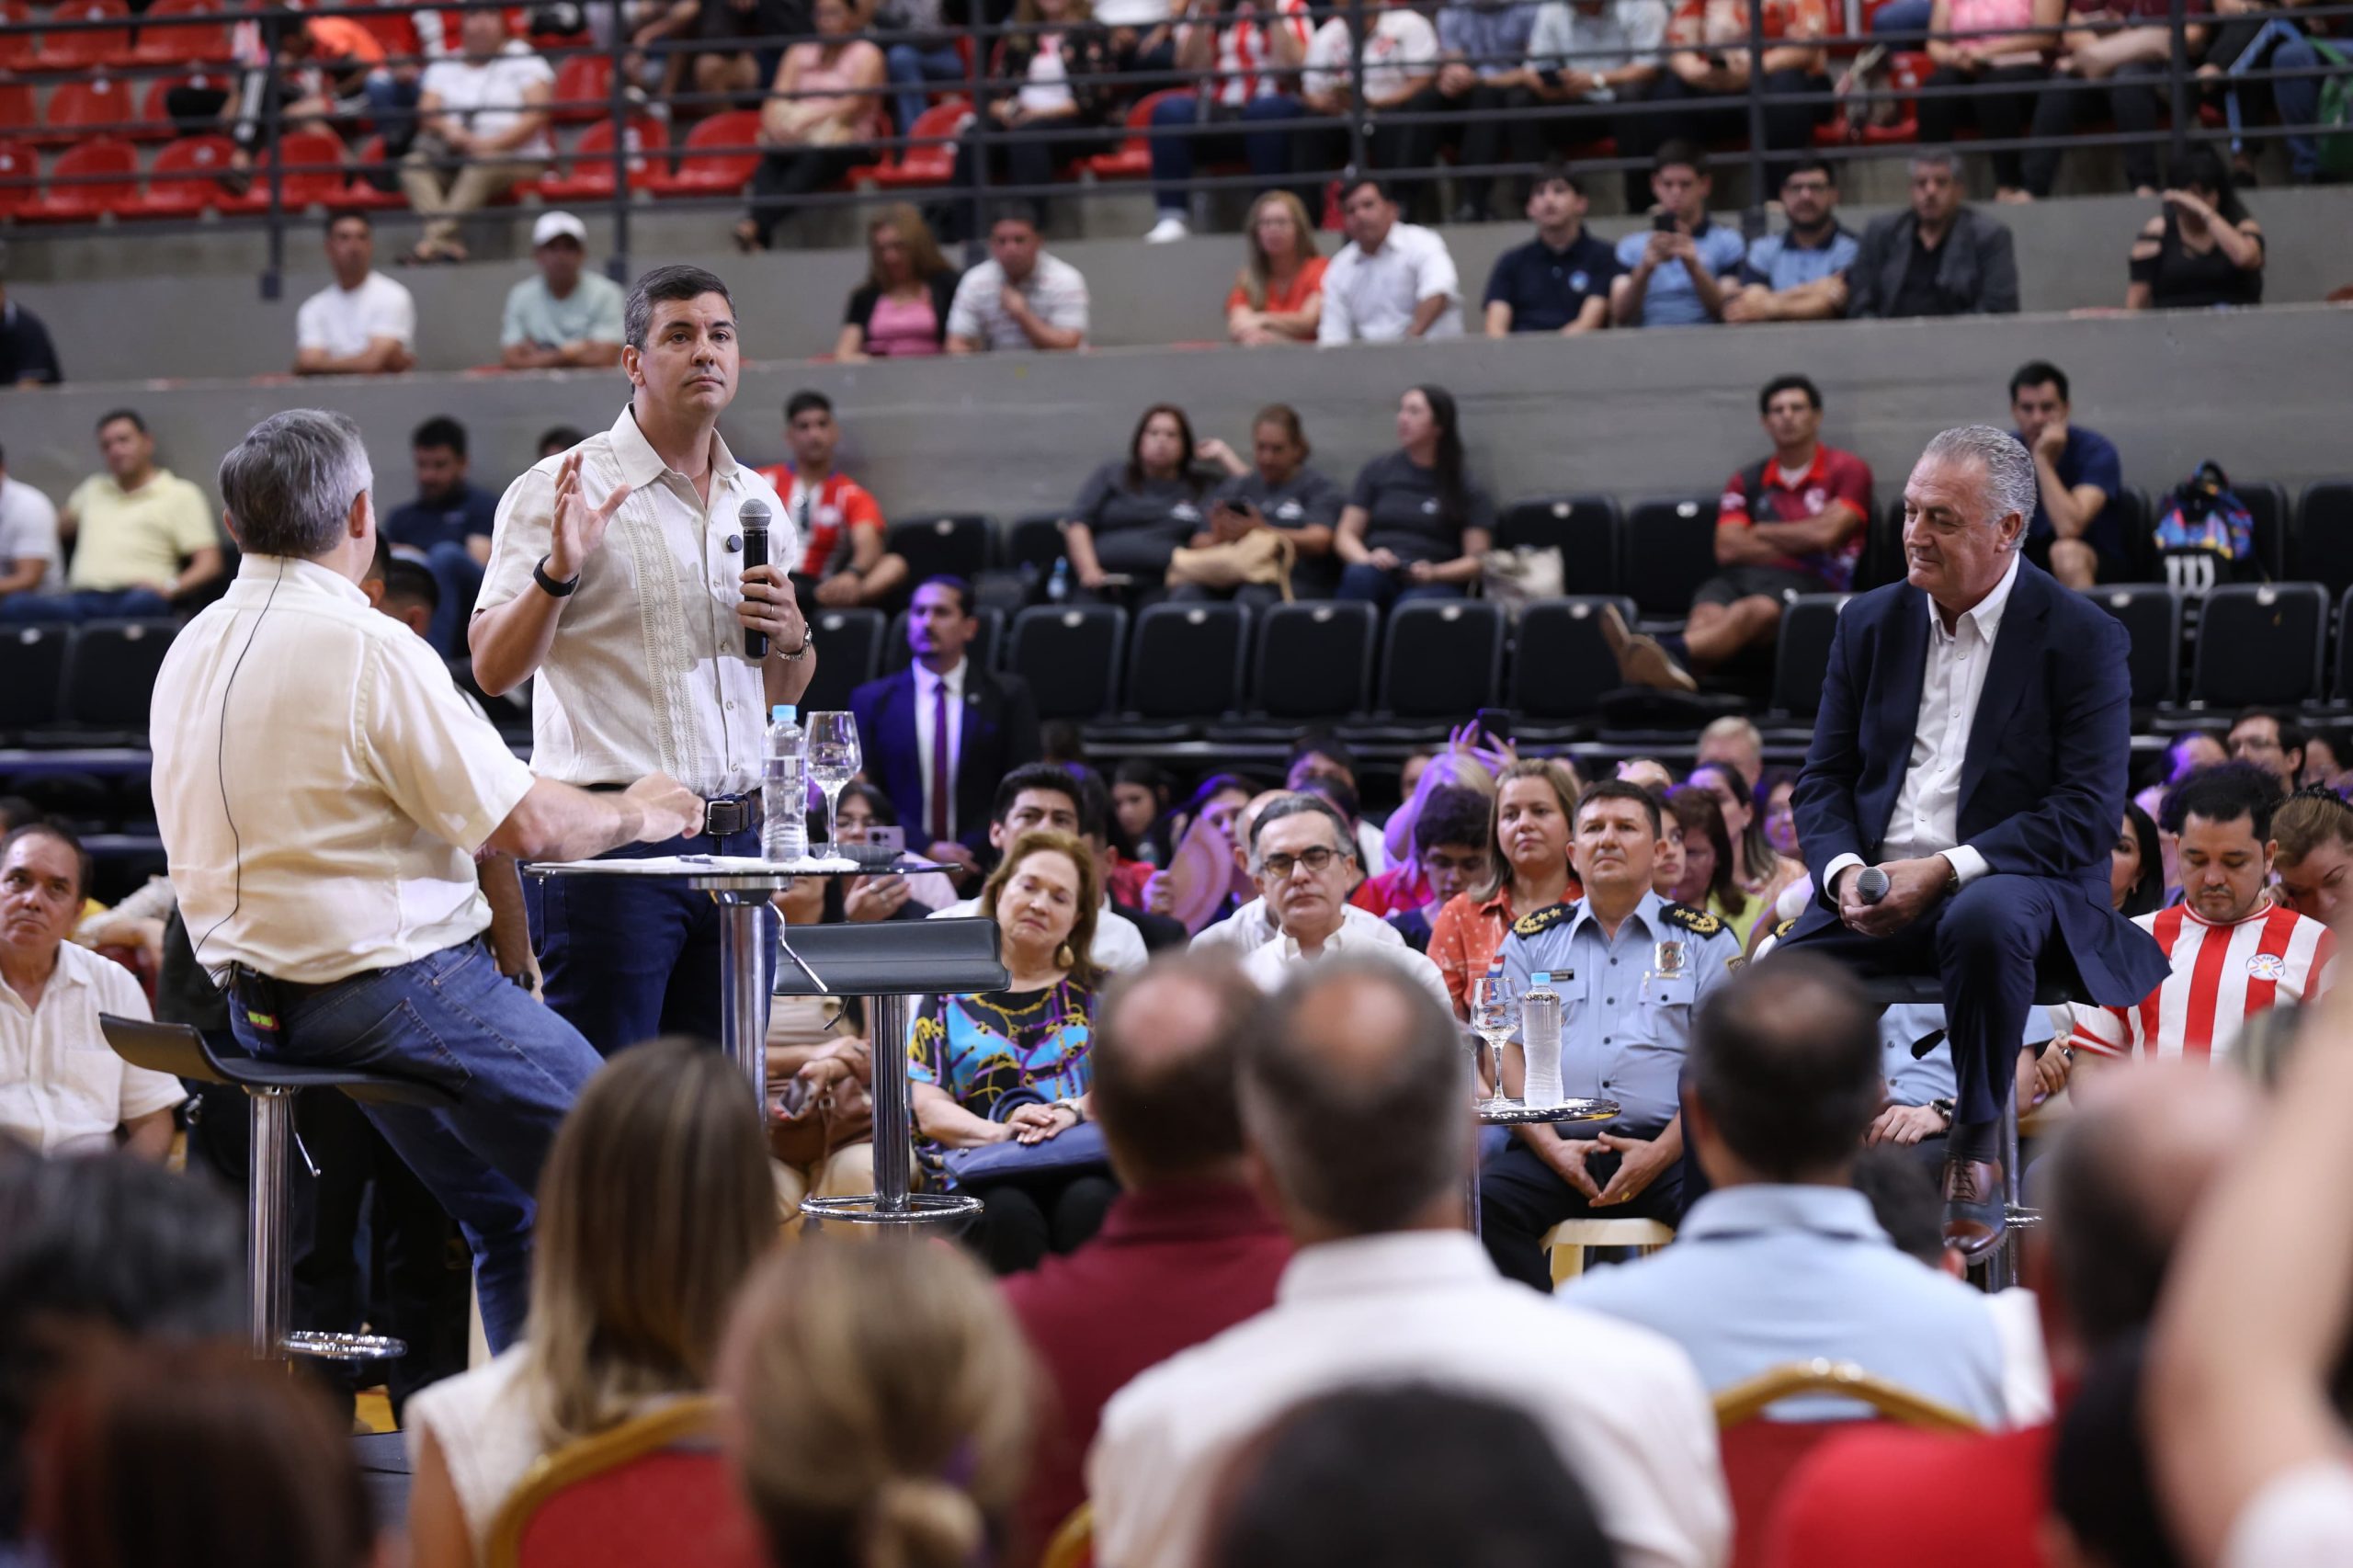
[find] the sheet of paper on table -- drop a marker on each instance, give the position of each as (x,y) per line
(701,866)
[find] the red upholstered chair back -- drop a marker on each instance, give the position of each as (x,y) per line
(652,1492)
(1758,1458)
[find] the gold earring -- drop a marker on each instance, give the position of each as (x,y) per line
(1062,957)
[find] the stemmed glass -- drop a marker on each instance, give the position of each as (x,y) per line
(1492,1007)
(833,761)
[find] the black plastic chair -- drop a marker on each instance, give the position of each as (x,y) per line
(1188,661)
(2267,504)
(1882,562)
(985,644)
(2151,615)
(1802,653)
(33,675)
(956,546)
(1035,540)
(2320,536)
(1444,658)
(2259,646)
(850,654)
(1584,528)
(1666,550)
(110,674)
(1561,663)
(1314,661)
(1071,655)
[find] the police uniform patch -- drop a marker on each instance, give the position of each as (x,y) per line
(1734,965)
(1528,925)
(1785,928)
(1697,921)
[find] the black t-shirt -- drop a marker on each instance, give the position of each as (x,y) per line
(1137,528)
(1918,294)
(1405,516)
(1308,500)
(25,353)
(1547,289)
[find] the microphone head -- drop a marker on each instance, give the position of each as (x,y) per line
(754,515)
(1870,884)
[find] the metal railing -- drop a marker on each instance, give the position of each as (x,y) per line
(277,189)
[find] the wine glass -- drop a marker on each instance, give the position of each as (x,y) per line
(1492,1009)
(833,761)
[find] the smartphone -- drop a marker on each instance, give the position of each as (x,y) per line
(894,839)
(1494,722)
(1662,222)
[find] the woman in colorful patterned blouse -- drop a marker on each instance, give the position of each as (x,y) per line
(1013,1065)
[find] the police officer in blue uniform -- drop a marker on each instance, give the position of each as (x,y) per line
(1631,969)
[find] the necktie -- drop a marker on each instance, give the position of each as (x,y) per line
(940,763)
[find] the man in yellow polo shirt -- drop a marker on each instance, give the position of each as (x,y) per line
(142,536)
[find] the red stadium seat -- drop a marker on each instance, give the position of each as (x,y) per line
(1133,158)
(20,111)
(650,1490)
(1907,70)
(592,176)
(165,38)
(364,195)
(16,49)
(185,178)
(713,174)
(17,162)
(85,49)
(585,82)
(79,110)
(933,164)
(77,203)
(315,173)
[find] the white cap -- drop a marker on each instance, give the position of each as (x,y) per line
(559,226)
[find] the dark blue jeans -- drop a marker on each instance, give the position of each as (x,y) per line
(913,70)
(627,959)
(1365,581)
(452,1019)
(119,604)
(1257,132)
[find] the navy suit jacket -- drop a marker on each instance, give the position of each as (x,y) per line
(1000,733)
(2043,781)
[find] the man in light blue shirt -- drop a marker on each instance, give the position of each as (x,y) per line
(567,316)
(1799,274)
(1631,969)
(1784,1078)
(1680,270)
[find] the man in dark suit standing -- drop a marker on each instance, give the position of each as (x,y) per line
(1973,744)
(939,735)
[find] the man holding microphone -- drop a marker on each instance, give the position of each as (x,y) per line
(618,573)
(323,788)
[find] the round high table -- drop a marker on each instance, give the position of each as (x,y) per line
(1501,1112)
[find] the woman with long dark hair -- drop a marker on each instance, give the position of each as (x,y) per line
(900,310)
(1133,515)
(1415,527)
(2136,871)
(2204,249)
(1707,883)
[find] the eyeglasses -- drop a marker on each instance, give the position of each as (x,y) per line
(1280,867)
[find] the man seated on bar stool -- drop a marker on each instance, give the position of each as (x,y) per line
(1971,749)
(1785,1076)
(1631,969)
(322,788)
(62,1091)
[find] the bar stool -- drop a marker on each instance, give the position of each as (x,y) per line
(270,1088)
(2002,1267)
(1567,1242)
(887,964)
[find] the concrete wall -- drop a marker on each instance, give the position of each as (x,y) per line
(1631,413)
(187,305)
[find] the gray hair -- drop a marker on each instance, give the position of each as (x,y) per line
(2010,471)
(291,483)
(1302,804)
(1943,158)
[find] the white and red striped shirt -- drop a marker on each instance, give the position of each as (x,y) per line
(2222,975)
(1244,53)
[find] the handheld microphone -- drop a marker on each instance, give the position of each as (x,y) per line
(1870,884)
(753,516)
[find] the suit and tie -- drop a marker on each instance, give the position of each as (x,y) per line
(2024,785)
(945,793)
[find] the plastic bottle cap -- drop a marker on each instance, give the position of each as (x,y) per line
(783,713)
(1541,977)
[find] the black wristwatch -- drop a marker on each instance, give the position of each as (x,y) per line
(1943,1109)
(547,585)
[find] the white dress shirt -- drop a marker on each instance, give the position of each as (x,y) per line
(1118,948)
(1273,963)
(646,673)
(62,1089)
(926,744)
(1250,927)
(1622,1404)
(1372,298)
(1926,820)
(321,783)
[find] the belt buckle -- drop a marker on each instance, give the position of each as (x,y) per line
(724,816)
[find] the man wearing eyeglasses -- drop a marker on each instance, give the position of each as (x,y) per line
(1304,861)
(1799,274)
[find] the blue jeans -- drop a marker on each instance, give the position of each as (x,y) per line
(626,958)
(117,604)
(391,104)
(912,69)
(450,1019)
(1903,17)
(1255,132)
(2297,98)
(1369,582)
(459,576)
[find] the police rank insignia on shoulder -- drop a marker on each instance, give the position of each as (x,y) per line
(1551,915)
(1698,922)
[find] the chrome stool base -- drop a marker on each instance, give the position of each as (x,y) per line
(922,1209)
(315,1346)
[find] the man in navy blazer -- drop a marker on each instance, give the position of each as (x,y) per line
(992,723)
(1973,744)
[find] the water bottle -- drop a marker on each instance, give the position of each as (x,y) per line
(1058,585)
(1540,1034)
(784,790)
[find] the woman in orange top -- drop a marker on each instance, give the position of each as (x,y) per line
(1536,806)
(1278,297)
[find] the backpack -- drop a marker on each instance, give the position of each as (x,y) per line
(2204,533)
(2336,110)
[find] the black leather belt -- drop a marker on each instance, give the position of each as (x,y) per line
(721,814)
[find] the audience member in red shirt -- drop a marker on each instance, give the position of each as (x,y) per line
(845,560)
(2121,1187)
(1187,1251)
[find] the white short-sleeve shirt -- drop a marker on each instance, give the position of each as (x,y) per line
(1056,291)
(62,1089)
(646,673)
(1402,45)
(29,533)
(488,95)
(345,321)
(1372,298)
(320,782)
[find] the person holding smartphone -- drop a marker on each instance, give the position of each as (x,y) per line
(1277,490)
(1677,274)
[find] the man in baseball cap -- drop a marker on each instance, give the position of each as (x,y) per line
(567,315)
